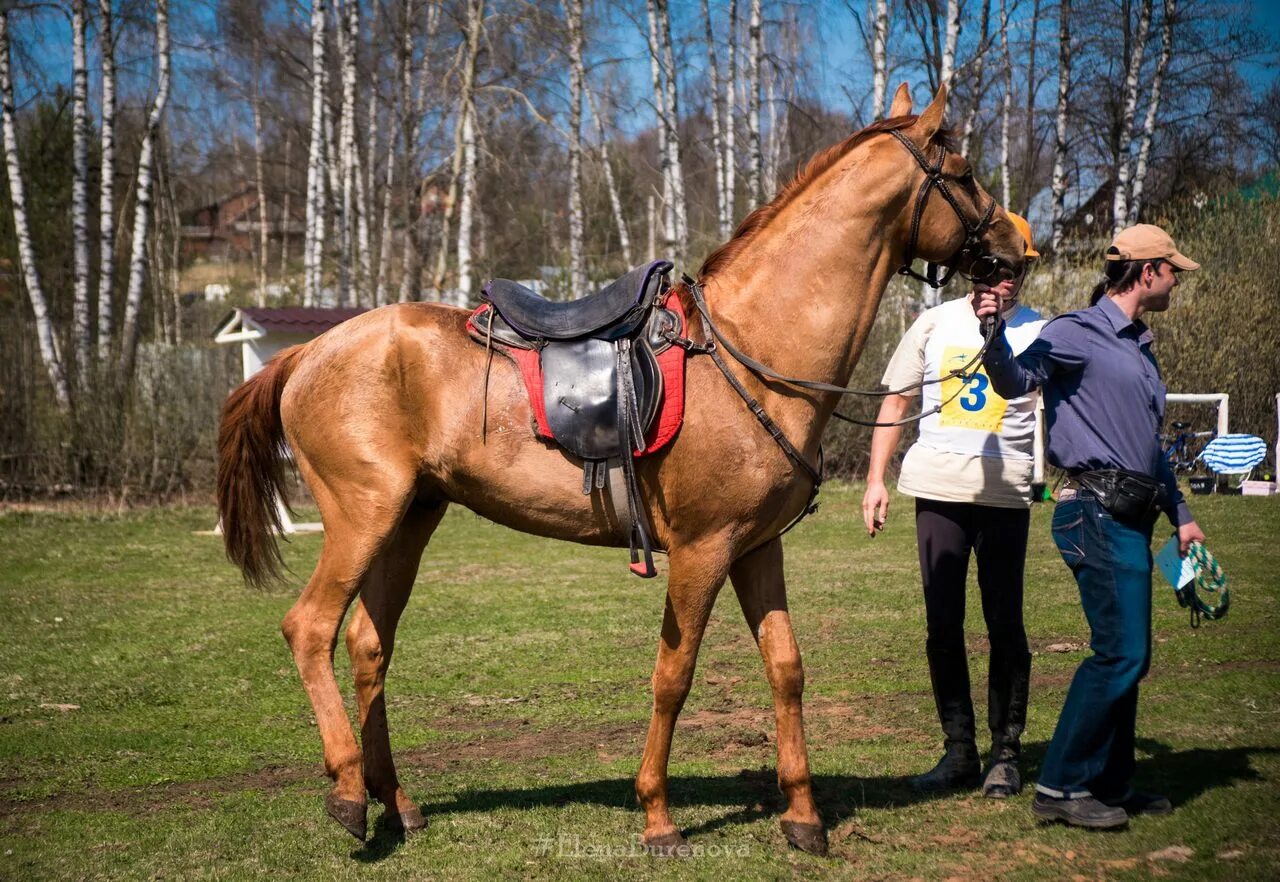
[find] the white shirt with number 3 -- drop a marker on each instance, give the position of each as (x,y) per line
(979,448)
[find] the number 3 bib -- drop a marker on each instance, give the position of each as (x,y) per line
(969,403)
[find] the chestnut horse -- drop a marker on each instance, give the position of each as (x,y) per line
(384,421)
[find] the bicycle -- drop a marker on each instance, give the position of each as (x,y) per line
(1182,448)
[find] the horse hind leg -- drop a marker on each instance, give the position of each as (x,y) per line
(758,581)
(370,641)
(357,526)
(697,575)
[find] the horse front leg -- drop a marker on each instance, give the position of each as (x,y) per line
(758,580)
(696,575)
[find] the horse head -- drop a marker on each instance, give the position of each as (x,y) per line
(964,230)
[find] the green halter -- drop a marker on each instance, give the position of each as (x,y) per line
(1210,580)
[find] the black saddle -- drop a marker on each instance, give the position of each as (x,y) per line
(615,311)
(601,383)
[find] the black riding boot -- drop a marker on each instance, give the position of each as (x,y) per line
(1008,680)
(960,765)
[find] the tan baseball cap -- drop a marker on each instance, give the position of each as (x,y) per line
(1148,242)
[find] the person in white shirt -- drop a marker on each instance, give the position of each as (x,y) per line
(970,472)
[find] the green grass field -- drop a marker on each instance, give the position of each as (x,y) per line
(152,724)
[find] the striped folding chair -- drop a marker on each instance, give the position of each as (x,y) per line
(1236,455)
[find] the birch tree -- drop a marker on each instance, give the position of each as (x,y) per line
(755,51)
(673,129)
(462,131)
(466,204)
(660,108)
(142,198)
(286,208)
(46,339)
(975,103)
(1153,109)
(1006,105)
(880,58)
(717,133)
(255,103)
(348,31)
(615,200)
(577,221)
(731,120)
(947,67)
(397,122)
(82,323)
(315,159)
(106,192)
(1059,183)
(1124,140)
(1029,124)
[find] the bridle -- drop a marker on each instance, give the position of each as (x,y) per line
(970,252)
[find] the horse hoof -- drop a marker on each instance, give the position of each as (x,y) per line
(667,845)
(409,821)
(809,838)
(351,815)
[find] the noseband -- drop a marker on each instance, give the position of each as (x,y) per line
(972,247)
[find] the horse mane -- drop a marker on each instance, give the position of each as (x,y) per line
(813,169)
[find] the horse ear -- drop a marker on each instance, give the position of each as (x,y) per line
(901,105)
(931,120)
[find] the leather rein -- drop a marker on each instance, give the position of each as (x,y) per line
(970,250)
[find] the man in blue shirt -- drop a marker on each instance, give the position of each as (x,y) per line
(1104,404)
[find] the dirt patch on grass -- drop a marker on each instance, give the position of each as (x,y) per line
(737,729)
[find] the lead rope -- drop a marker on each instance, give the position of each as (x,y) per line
(1210,579)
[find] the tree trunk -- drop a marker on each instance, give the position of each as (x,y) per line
(880,58)
(664,154)
(731,120)
(1059,185)
(775,146)
(615,200)
(1120,204)
(315,159)
(50,351)
(475,20)
(717,134)
(755,172)
(577,220)
(259,177)
(1153,109)
(947,67)
(106,197)
(466,203)
(286,218)
(82,322)
(1006,106)
(975,104)
(142,201)
(395,128)
(348,32)
(681,210)
(1029,127)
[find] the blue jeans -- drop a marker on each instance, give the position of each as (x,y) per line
(1092,752)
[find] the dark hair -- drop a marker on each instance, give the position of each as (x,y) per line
(1120,275)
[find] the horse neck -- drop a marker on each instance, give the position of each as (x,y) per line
(801,297)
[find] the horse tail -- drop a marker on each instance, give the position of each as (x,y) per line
(251,472)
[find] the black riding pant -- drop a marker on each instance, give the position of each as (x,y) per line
(946,534)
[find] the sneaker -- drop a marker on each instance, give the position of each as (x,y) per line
(1140,803)
(1083,811)
(1002,781)
(958,769)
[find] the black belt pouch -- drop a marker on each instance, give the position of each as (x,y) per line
(1132,498)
